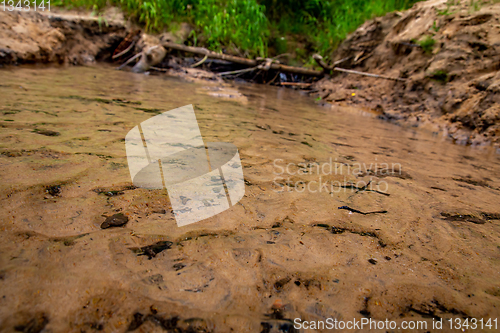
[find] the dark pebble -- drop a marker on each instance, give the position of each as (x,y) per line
(46,132)
(136,321)
(112,193)
(116,220)
(372,261)
(179,266)
(53,190)
(281,283)
(306,143)
(336,231)
(152,250)
(365,313)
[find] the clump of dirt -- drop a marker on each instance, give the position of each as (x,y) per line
(58,36)
(449,53)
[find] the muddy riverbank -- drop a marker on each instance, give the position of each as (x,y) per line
(56,36)
(428,249)
(449,52)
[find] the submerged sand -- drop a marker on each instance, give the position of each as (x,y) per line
(284,251)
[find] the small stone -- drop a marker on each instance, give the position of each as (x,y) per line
(116,220)
(179,266)
(47,132)
(53,190)
(113,193)
(152,250)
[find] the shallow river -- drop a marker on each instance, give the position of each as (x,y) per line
(417,238)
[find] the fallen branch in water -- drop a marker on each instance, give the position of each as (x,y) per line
(274,78)
(350,71)
(239,71)
(129,61)
(266,65)
(209,54)
(282,55)
(324,65)
(296,84)
(158,69)
(118,55)
(321,63)
(296,70)
(126,45)
(269,63)
(200,62)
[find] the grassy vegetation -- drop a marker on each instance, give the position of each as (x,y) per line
(440,76)
(427,44)
(239,24)
(256,27)
(326,23)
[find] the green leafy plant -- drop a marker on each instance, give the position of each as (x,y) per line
(427,44)
(434,27)
(440,76)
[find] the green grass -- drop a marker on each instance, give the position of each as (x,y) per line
(440,76)
(326,23)
(427,44)
(241,25)
(255,27)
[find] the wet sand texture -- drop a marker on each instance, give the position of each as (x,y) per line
(282,252)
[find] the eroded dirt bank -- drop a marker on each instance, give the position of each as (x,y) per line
(59,37)
(450,56)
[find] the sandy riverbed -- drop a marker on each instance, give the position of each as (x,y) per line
(283,252)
